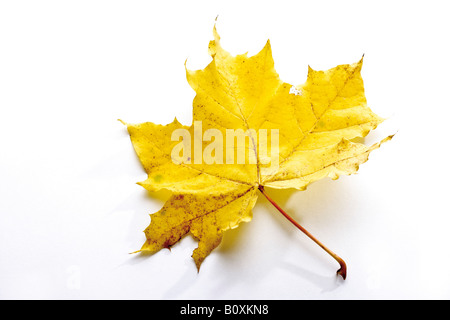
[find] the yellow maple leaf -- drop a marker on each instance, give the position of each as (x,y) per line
(250,130)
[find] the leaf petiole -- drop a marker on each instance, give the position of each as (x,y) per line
(343,267)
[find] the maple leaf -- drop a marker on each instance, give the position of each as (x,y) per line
(295,135)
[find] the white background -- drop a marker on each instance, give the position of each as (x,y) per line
(70,209)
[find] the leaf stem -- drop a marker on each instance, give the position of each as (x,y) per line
(343,267)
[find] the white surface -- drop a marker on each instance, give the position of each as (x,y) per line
(71,211)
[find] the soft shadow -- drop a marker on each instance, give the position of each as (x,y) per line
(137,257)
(232,238)
(280,196)
(321,199)
(186,281)
(328,283)
(318,205)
